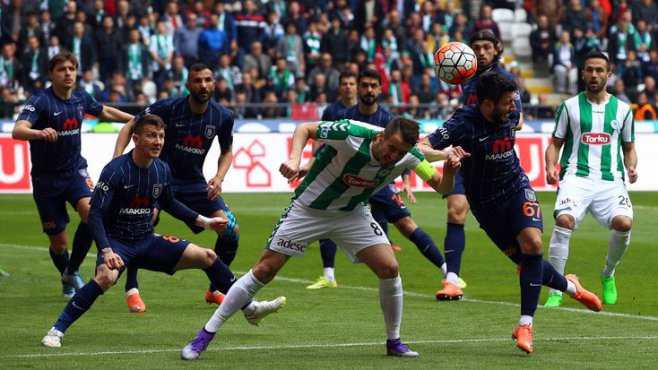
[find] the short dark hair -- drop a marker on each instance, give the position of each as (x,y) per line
(148,119)
(346,74)
(369,73)
(492,85)
(62,57)
(199,66)
(597,54)
(407,128)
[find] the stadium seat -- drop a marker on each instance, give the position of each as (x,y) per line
(521,47)
(520,15)
(502,15)
(506,30)
(521,30)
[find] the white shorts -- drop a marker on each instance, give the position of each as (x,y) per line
(605,200)
(351,231)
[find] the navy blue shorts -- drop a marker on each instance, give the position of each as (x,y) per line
(51,194)
(387,205)
(459,186)
(504,222)
(195,196)
(155,253)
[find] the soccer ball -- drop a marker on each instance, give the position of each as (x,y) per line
(455,62)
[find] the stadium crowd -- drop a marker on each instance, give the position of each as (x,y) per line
(281,52)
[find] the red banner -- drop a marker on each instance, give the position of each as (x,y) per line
(14,166)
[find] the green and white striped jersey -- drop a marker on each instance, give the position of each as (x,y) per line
(345,174)
(593,134)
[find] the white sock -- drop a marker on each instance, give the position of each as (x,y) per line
(132,291)
(558,252)
(452,278)
(571,289)
(444,269)
(390,299)
(238,295)
(617,246)
(329,273)
(525,320)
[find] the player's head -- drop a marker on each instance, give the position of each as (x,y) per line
(200,82)
(63,69)
(399,136)
(369,86)
(487,47)
(347,85)
(496,95)
(596,71)
(149,135)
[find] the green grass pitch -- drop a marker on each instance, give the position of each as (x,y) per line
(338,328)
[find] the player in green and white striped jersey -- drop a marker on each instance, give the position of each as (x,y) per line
(597,132)
(357,160)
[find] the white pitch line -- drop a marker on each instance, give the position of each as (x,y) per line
(410,293)
(325,345)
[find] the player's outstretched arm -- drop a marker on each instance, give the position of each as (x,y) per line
(630,160)
(552,154)
(124,138)
(290,168)
(23,131)
(112,114)
(431,154)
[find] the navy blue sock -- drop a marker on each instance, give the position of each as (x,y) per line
(552,278)
(60,260)
(78,305)
(226,246)
(221,277)
(453,247)
(531,282)
(81,244)
(426,246)
(328,253)
(131,278)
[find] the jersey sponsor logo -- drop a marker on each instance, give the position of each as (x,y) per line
(359,182)
(138,205)
(290,244)
(502,149)
(70,127)
(595,138)
(192,144)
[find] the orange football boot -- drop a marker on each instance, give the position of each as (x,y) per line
(214,297)
(584,296)
(450,292)
(135,303)
(522,334)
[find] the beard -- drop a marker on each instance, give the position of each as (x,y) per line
(199,98)
(598,88)
(368,99)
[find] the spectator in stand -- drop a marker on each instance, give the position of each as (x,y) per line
(311,41)
(11,70)
(134,64)
(240,108)
(53,47)
(302,90)
(644,111)
(161,48)
(82,46)
(34,63)
(620,91)
(273,31)
(643,43)
(250,25)
(542,40)
(124,30)
(226,22)
(186,39)
(257,59)
(343,12)
(632,74)
(319,86)
(97,14)
(228,72)
(459,26)
(109,49)
(295,16)
(212,42)
(552,9)
(335,42)
(368,43)
(271,110)
(31,28)
(145,28)
(291,48)
(64,25)
(370,13)
(326,68)
(122,17)
(46,24)
(178,76)
(398,90)
(223,94)
(90,85)
(575,16)
(650,88)
(252,93)
(646,11)
(426,92)
(172,18)
(420,56)
(651,68)
(598,19)
(620,40)
(281,77)
(485,21)
(564,66)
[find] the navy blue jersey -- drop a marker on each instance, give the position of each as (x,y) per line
(334,112)
(188,136)
(44,109)
(469,90)
(493,171)
(380,118)
(124,197)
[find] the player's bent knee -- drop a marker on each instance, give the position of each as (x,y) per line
(105,278)
(388,270)
(264,272)
(209,256)
(566,221)
(532,245)
(622,223)
(457,212)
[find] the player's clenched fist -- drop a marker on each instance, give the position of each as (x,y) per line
(552,175)
(112,260)
(455,156)
(218,224)
(49,134)
(289,169)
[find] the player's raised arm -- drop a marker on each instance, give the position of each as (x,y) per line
(101,202)
(23,131)
(114,115)
(290,168)
(124,138)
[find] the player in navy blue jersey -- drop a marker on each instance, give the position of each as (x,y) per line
(51,121)
(120,220)
(500,195)
(488,50)
(193,122)
(387,205)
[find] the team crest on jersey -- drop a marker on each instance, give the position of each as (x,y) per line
(157,190)
(209,132)
(530,195)
(615,124)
